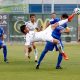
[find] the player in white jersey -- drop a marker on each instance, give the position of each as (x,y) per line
(32,36)
(32,25)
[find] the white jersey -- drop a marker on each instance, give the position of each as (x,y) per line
(39,36)
(31,26)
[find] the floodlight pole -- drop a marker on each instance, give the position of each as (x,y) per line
(42,7)
(77,4)
(52,9)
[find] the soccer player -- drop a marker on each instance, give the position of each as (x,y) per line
(57,34)
(3,45)
(45,35)
(53,16)
(32,25)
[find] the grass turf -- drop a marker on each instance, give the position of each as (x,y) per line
(21,69)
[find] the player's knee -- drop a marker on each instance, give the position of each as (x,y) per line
(45,51)
(55,41)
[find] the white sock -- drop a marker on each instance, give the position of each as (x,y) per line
(60,47)
(36,53)
(63,22)
(26,54)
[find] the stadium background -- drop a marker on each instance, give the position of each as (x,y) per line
(14,13)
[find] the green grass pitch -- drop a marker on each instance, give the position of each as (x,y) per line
(21,69)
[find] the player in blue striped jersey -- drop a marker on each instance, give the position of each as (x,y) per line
(56,34)
(3,45)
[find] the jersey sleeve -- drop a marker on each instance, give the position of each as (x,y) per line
(26,23)
(54,20)
(64,25)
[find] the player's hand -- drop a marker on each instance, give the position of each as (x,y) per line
(27,55)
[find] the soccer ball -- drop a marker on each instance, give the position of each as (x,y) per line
(77,10)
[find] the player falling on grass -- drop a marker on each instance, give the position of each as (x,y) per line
(55,34)
(45,35)
(32,25)
(3,45)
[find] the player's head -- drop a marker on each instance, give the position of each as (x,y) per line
(24,29)
(32,17)
(53,15)
(64,16)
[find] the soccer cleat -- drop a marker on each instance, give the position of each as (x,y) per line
(35,60)
(6,61)
(37,67)
(29,57)
(59,67)
(65,56)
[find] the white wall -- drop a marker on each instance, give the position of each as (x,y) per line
(40,1)
(67,1)
(53,1)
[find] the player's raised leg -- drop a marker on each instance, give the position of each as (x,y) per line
(62,51)
(57,42)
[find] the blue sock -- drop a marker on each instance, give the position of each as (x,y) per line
(5,52)
(59,59)
(42,56)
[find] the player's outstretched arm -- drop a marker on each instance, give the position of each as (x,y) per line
(69,19)
(59,23)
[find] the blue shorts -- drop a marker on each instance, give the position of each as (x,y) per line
(50,46)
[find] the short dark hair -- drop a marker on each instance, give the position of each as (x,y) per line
(32,15)
(22,28)
(65,15)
